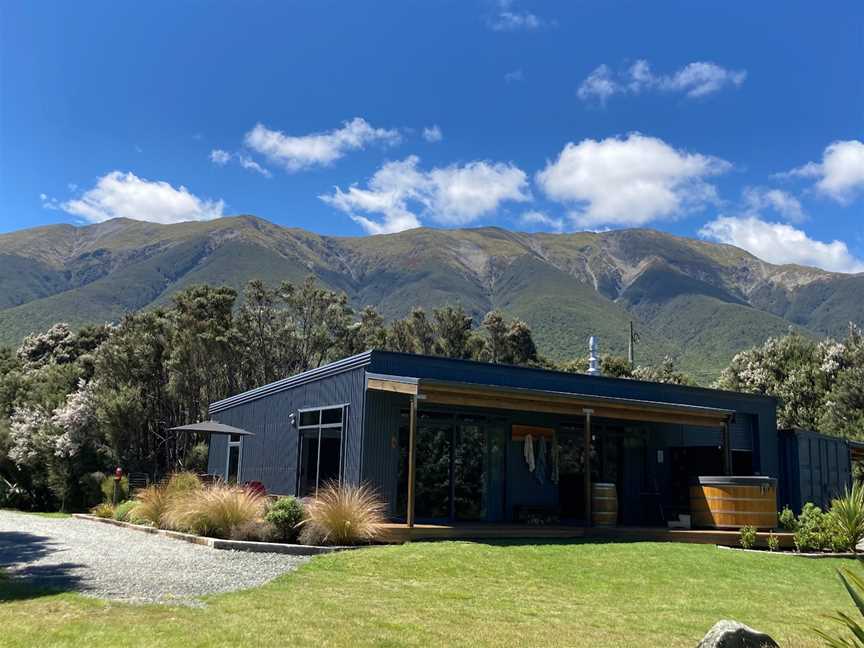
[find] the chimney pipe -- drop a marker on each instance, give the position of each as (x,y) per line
(593,360)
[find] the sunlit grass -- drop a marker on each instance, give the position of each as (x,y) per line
(467,594)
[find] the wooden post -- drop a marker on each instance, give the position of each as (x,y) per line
(587,476)
(412,456)
(726,440)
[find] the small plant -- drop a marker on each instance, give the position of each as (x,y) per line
(103,510)
(217,511)
(747,537)
(285,514)
(847,515)
(343,515)
(810,529)
(787,520)
(854,585)
(773,542)
(107,488)
(121,513)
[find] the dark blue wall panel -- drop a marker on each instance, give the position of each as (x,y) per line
(270,456)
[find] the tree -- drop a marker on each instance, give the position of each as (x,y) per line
(423,332)
(519,342)
(452,328)
(496,343)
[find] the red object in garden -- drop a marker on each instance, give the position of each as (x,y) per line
(118,474)
(255,487)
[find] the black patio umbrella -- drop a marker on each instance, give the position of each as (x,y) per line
(211,427)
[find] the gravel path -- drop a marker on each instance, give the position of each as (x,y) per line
(110,562)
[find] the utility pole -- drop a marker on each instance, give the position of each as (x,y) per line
(630,350)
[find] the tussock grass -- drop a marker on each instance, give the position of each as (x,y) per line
(343,515)
(219,511)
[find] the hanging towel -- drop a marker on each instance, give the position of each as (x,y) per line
(540,473)
(529,452)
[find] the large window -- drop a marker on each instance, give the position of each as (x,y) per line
(320,447)
(235,456)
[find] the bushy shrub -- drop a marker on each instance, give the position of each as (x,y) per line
(121,512)
(787,520)
(848,517)
(103,510)
(14,496)
(196,459)
(343,515)
(181,483)
(90,485)
(810,528)
(107,488)
(285,514)
(217,511)
(747,537)
(773,542)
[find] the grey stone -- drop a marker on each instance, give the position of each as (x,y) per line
(731,634)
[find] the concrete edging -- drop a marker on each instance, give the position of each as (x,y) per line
(219,543)
(799,554)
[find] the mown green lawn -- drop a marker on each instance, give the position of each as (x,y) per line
(464,594)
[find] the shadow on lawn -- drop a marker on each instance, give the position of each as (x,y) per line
(21,579)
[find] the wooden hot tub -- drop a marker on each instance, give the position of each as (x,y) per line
(733,502)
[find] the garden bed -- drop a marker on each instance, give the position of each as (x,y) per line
(220,543)
(800,554)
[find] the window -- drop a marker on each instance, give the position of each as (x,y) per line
(320,447)
(235,452)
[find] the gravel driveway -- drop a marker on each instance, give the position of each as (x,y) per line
(110,562)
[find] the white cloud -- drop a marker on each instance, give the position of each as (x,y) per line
(539,219)
(840,173)
(296,153)
(781,243)
(125,195)
(694,80)
(599,86)
(399,193)
(757,199)
(433,134)
(508,18)
(629,181)
(220,157)
(514,76)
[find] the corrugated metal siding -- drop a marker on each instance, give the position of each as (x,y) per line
(216,454)
(380,444)
(271,455)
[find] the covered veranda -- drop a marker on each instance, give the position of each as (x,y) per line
(590,420)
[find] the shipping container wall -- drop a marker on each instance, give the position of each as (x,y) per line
(815,468)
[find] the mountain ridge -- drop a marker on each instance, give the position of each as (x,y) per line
(566,286)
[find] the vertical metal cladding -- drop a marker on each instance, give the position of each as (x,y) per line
(816,468)
(270,456)
(381,444)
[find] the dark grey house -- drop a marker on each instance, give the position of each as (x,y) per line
(445,440)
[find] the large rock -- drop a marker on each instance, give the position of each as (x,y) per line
(731,634)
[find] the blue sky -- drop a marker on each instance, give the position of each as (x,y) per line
(736,122)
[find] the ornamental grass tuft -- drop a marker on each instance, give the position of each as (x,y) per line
(848,517)
(343,514)
(219,511)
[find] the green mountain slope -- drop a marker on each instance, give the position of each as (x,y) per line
(697,301)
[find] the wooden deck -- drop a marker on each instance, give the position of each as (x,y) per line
(399,533)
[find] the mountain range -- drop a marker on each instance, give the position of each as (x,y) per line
(695,301)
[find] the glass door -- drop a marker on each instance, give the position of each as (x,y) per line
(432,482)
(469,469)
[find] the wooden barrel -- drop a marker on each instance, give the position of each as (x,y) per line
(733,502)
(604,504)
